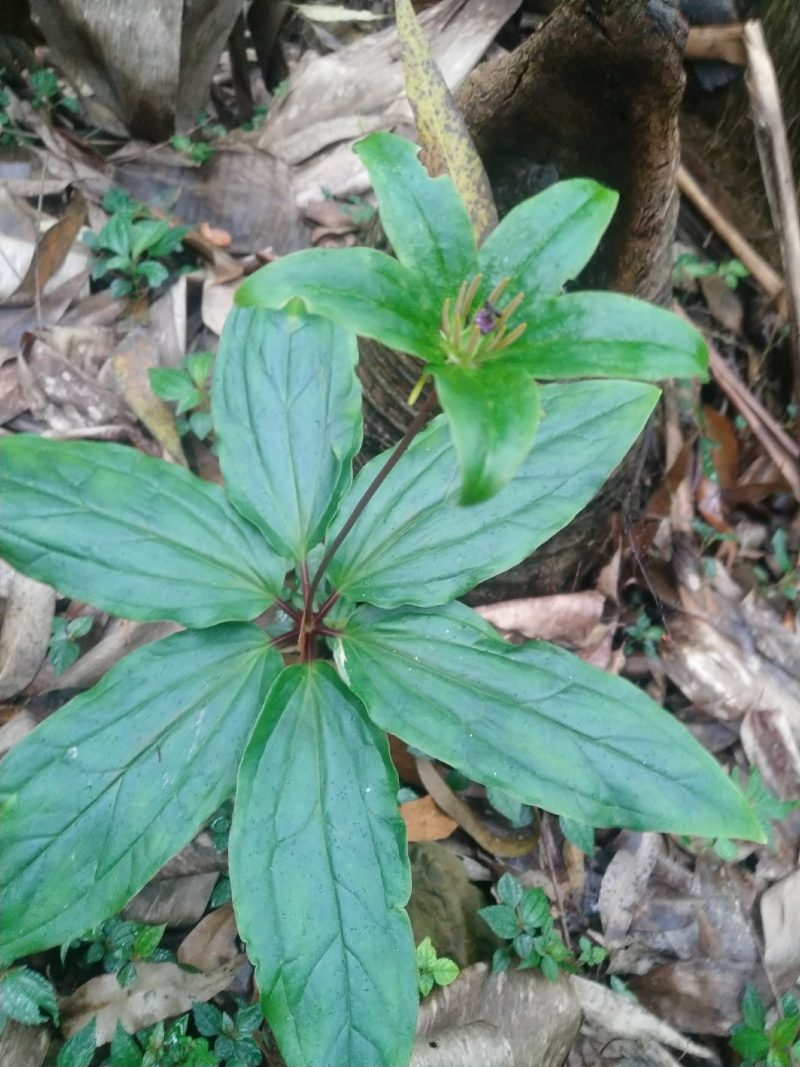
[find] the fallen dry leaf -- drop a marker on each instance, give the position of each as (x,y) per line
(615,1015)
(780,920)
(160,991)
(425,820)
(500,1020)
(179,893)
(569,619)
(13,731)
(700,996)
(625,881)
(25,635)
(51,252)
(212,942)
(131,361)
(217,237)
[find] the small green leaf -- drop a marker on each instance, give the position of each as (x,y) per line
(155,273)
(493,411)
(63,654)
(176,386)
(201,424)
(578,834)
(101,794)
(784,1032)
(501,960)
(523,945)
(537,721)
(131,534)
(79,627)
(501,920)
(445,971)
(360,289)
(117,234)
(146,233)
(287,410)
(147,940)
(79,1050)
(414,526)
(534,908)
(121,287)
(605,335)
(426,954)
(548,239)
(424,219)
(198,367)
(125,1050)
(25,995)
(207,1019)
(754,1044)
(753,1013)
(509,890)
(550,969)
(126,975)
(319,871)
(425,983)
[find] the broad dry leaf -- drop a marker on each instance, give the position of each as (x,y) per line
(131,362)
(179,894)
(625,882)
(616,1015)
(699,996)
(51,252)
(502,1020)
(160,991)
(573,620)
(333,13)
(780,919)
(425,820)
(25,635)
(443,135)
(212,942)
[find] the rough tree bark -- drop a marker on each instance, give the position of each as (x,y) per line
(595,92)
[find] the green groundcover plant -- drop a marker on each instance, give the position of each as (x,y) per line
(359,580)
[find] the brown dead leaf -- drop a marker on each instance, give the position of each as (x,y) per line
(770,744)
(131,361)
(159,991)
(51,252)
(179,894)
(425,820)
(723,303)
(212,942)
(500,1020)
(217,237)
(700,996)
(625,881)
(13,731)
(613,1015)
(725,451)
(25,635)
(569,619)
(217,303)
(780,920)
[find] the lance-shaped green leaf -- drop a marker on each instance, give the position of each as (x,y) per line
(359,289)
(537,722)
(423,217)
(414,544)
(320,875)
(287,411)
(493,413)
(547,240)
(104,792)
(606,335)
(131,534)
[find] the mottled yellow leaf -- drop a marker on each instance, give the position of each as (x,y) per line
(447,147)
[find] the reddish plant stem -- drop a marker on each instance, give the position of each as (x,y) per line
(419,422)
(289,609)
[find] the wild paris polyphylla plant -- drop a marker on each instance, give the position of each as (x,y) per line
(356,583)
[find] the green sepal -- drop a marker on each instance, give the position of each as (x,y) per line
(538,721)
(132,535)
(320,876)
(100,795)
(493,411)
(286,403)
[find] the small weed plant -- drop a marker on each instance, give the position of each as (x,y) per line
(188,388)
(523,919)
(763,1045)
(357,582)
(433,969)
(137,251)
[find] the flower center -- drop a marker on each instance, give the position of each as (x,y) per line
(471,338)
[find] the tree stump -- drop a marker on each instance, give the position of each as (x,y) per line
(595,93)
